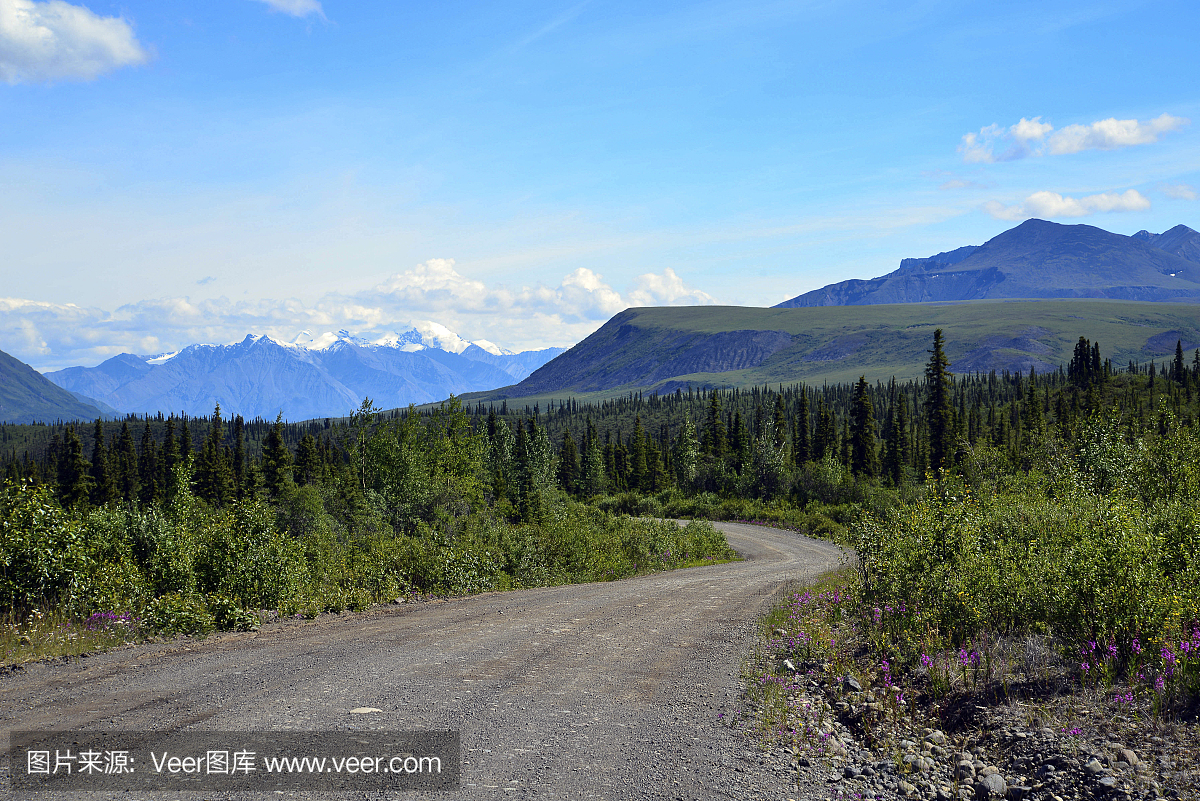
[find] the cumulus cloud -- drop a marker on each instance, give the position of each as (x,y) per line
(1178,191)
(51,336)
(1054,205)
(666,290)
(436,286)
(53,41)
(296,8)
(1032,137)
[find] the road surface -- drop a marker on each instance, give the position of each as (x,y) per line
(593,691)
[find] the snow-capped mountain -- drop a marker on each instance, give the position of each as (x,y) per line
(325,375)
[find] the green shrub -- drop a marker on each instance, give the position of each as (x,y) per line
(228,615)
(180,614)
(43,550)
(241,554)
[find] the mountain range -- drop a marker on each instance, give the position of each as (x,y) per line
(1036,259)
(324,376)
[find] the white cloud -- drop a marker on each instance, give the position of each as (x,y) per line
(1052,205)
(51,41)
(1111,134)
(666,290)
(52,336)
(1178,191)
(297,8)
(1032,137)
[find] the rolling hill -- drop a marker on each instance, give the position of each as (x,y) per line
(26,396)
(1036,259)
(660,349)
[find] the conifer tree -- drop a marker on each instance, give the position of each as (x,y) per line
(780,421)
(638,477)
(592,475)
(939,413)
(214,469)
(169,454)
(686,459)
(74,479)
(308,460)
(897,441)
(150,489)
(801,448)
(740,445)
(239,458)
(864,459)
(276,460)
(185,442)
(714,441)
(127,466)
(101,486)
(568,464)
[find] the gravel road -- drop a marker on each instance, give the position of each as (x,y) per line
(605,691)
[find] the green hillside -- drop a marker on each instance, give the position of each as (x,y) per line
(659,349)
(26,396)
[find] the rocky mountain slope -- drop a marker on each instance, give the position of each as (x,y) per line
(325,376)
(1037,259)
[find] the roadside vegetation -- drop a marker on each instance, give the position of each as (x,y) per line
(110,550)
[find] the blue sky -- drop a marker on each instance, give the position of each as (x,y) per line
(178,172)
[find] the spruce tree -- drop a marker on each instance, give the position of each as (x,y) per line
(308,460)
(939,411)
(864,459)
(568,464)
(714,441)
(169,454)
(276,460)
(897,443)
(74,480)
(780,421)
(592,475)
(185,442)
(150,489)
(127,465)
(801,447)
(638,476)
(239,458)
(686,459)
(101,486)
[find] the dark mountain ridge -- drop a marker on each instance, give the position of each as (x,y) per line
(1036,259)
(26,396)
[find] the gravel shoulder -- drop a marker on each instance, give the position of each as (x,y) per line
(607,690)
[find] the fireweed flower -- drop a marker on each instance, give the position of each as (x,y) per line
(926,660)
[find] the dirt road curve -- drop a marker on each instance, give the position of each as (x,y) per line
(588,691)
